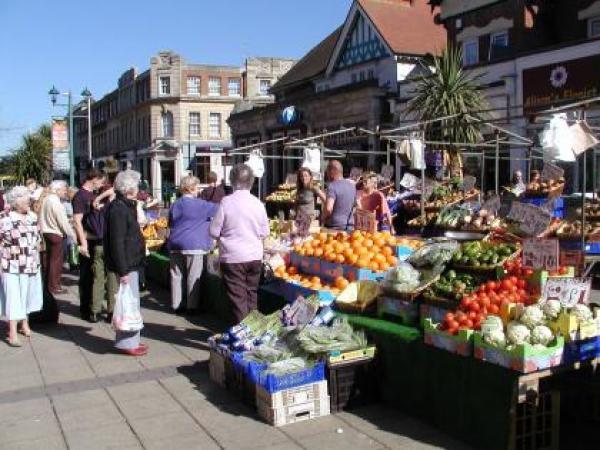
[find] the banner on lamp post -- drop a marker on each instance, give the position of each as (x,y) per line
(61,161)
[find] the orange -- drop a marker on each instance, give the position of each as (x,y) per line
(340,283)
(391,240)
(362,263)
(297,248)
(340,236)
(331,257)
(374,266)
(387,251)
(355,235)
(384,266)
(379,257)
(379,242)
(368,243)
(309,252)
(340,259)
(362,251)
(322,236)
(318,252)
(392,260)
(328,249)
(315,280)
(351,259)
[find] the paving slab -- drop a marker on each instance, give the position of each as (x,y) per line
(115,436)
(55,442)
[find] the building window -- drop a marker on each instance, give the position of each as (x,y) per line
(470,52)
(165,85)
(193,85)
(370,74)
(194,123)
(203,168)
(264,86)
(594,27)
(234,87)
(166,124)
(498,45)
(354,78)
(214,125)
(214,86)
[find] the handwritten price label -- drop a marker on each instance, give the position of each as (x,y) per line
(533,220)
(551,172)
(539,253)
(569,291)
(365,221)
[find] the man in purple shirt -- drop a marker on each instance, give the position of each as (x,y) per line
(240,225)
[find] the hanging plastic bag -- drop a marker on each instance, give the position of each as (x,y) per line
(127,315)
(312,159)
(256,163)
(417,154)
(556,140)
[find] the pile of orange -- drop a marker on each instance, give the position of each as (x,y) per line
(360,249)
(310,281)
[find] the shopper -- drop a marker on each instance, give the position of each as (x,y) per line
(241,224)
(307,193)
(214,192)
(189,240)
(338,213)
(124,249)
(21,290)
(373,200)
(88,223)
(55,227)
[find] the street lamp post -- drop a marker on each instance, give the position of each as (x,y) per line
(54,93)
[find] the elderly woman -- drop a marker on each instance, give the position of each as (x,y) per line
(124,249)
(21,291)
(241,224)
(189,241)
(55,227)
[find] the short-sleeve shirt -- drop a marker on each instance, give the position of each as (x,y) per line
(343,192)
(305,202)
(82,204)
(375,202)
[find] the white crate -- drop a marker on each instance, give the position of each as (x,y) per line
(294,396)
(216,368)
(286,415)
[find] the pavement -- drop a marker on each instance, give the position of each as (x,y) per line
(67,388)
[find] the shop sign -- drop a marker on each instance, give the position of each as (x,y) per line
(552,172)
(365,221)
(289,115)
(569,291)
(560,83)
(541,253)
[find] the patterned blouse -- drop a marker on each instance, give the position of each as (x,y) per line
(20,243)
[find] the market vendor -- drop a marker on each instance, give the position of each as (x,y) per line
(338,213)
(517,185)
(214,192)
(373,200)
(306,193)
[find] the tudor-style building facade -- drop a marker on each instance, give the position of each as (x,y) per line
(347,80)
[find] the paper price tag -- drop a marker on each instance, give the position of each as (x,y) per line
(365,221)
(541,253)
(409,181)
(551,172)
(302,223)
(533,220)
(569,291)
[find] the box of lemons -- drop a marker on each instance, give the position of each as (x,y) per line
(485,255)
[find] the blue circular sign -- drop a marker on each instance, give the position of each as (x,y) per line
(289,115)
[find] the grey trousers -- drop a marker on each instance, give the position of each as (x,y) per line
(186,271)
(129,340)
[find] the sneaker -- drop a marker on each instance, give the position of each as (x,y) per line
(139,351)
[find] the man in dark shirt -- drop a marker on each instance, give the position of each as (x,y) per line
(88,224)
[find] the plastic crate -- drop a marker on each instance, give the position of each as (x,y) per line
(405,312)
(591,248)
(559,204)
(292,414)
(294,396)
(581,350)
(350,384)
(273,383)
(536,423)
(216,368)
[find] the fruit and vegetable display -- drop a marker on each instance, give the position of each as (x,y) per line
(441,196)
(460,218)
(592,210)
(418,221)
(313,282)
(434,255)
(154,233)
(573,230)
(374,251)
(545,187)
(452,286)
(282,196)
(483,254)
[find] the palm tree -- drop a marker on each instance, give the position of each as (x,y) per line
(446,90)
(33,159)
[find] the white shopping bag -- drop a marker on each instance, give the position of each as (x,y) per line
(127,315)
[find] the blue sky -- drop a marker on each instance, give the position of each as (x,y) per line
(74,44)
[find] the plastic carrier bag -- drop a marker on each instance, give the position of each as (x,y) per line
(127,315)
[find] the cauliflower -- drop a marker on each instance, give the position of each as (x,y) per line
(552,309)
(517,333)
(495,337)
(493,322)
(542,335)
(582,312)
(532,316)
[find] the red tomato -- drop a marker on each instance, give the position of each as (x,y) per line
(469,324)
(472,316)
(453,330)
(521,284)
(465,303)
(481,288)
(504,303)
(475,307)
(493,309)
(514,280)
(527,272)
(452,324)
(448,317)
(563,270)
(506,284)
(485,302)
(514,288)
(463,321)
(491,286)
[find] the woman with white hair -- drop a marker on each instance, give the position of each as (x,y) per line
(21,291)
(189,241)
(124,249)
(55,227)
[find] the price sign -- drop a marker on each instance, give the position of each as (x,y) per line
(551,172)
(387,171)
(492,204)
(533,220)
(409,181)
(302,223)
(355,173)
(468,183)
(569,291)
(538,253)
(365,221)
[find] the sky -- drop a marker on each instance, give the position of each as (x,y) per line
(74,44)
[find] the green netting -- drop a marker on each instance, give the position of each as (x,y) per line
(383,327)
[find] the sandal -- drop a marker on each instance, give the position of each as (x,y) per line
(14,342)
(25,333)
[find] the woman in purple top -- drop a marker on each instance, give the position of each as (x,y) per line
(189,241)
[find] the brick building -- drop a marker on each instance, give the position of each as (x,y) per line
(347,79)
(530,55)
(166,120)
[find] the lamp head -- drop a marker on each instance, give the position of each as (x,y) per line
(53,93)
(86,93)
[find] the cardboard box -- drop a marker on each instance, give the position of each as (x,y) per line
(460,344)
